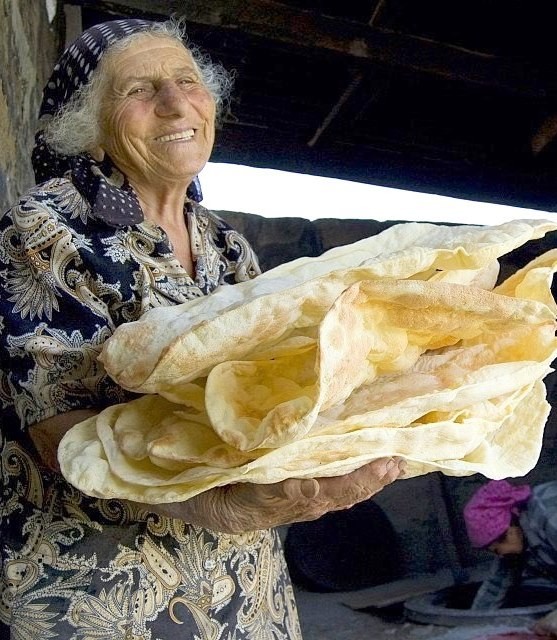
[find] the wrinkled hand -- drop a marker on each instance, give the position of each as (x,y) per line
(245,507)
(547,626)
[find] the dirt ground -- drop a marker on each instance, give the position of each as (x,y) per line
(323,616)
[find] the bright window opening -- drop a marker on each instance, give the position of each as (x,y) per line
(273,193)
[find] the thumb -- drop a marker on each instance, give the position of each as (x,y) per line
(295,489)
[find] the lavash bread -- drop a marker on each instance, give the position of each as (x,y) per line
(322,365)
(143,358)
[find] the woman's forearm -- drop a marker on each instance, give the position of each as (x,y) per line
(47,434)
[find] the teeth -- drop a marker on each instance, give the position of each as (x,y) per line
(183,135)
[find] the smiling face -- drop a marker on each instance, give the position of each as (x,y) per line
(157,118)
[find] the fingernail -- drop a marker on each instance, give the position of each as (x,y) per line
(390,464)
(309,488)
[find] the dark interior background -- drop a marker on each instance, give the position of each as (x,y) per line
(452,97)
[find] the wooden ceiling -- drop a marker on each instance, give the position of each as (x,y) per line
(446,96)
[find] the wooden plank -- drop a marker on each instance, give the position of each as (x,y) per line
(360,42)
(333,113)
(74,26)
(390,593)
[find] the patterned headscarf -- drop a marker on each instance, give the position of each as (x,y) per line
(106,189)
(488,513)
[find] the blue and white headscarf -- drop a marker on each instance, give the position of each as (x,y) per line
(106,189)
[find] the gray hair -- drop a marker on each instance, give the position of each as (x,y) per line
(75,129)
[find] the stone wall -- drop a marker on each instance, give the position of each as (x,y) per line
(28,50)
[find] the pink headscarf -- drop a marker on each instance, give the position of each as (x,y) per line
(489,511)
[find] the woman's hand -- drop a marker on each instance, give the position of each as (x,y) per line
(46,435)
(245,507)
(547,626)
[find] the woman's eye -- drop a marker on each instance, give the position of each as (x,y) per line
(139,91)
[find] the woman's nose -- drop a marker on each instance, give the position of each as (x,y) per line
(171,100)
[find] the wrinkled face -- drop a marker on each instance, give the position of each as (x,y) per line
(157,118)
(510,543)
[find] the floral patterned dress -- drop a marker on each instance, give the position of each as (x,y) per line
(78,567)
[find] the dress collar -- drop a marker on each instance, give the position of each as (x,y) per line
(109,193)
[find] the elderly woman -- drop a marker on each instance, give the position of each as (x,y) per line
(114,229)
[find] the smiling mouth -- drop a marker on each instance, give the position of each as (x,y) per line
(181,135)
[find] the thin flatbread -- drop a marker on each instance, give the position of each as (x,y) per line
(410,355)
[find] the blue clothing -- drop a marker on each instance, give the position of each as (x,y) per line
(77,567)
(537,566)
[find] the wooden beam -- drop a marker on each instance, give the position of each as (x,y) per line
(359,42)
(333,113)
(377,12)
(545,134)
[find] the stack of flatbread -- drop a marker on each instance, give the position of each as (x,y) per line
(397,345)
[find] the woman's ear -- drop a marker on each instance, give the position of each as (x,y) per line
(97,153)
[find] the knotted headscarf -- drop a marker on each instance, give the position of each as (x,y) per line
(488,513)
(105,188)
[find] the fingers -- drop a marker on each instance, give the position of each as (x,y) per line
(396,470)
(547,626)
(245,506)
(394,467)
(335,491)
(382,469)
(380,472)
(344,491)
(298,489)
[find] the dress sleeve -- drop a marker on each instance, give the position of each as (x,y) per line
(504,573)
(54,316)
(243,258)
(220,243)
(540,525)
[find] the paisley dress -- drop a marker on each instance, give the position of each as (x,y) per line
(83,568)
